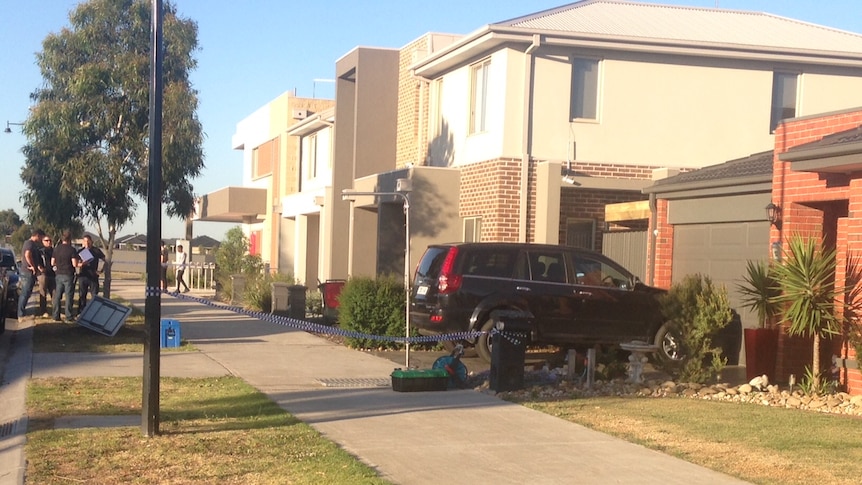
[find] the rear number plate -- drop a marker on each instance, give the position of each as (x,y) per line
(422,290)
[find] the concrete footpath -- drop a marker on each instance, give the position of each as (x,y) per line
(459,436)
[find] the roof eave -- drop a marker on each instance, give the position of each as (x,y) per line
(492,36)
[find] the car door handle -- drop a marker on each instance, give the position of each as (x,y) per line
(584,293)
(523,288)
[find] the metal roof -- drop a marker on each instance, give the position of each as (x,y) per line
(688,25)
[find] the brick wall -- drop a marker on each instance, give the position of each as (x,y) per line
(663,266)
(491,190)
(411,134)
(820,205)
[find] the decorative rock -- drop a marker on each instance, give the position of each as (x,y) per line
(745,389)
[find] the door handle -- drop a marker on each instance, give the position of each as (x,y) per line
(584,293)
(523,288)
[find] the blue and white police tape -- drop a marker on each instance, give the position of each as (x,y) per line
(312,327)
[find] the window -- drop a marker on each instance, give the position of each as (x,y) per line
(479,96)
(472,229)
(783,98)
(312,156)
(264,158)
(436,115)
(585,89)
(596,272)
(581,233)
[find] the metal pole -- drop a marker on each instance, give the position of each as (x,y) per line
(153,302)
(407,279)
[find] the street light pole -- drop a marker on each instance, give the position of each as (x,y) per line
(404,188)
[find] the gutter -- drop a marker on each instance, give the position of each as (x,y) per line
(526,142)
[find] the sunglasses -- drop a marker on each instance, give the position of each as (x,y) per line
(46,240)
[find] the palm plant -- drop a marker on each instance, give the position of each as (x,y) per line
(759,291)
(808,292)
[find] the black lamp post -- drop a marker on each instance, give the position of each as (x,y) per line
(9,125)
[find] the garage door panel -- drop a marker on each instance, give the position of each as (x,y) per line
(720,251)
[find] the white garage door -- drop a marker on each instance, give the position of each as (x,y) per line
(721,251)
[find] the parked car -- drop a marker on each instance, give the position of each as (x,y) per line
(8,286)
(578,298)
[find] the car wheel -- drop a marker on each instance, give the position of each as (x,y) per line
(483,343)
(669,347)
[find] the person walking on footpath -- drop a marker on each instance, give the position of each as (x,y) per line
(47,277)
(181,262)
(165,260)
(31,266)
(64,260)
(88,278)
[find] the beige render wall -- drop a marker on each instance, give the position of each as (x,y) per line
(671,111)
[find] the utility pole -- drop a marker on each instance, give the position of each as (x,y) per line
(153,302)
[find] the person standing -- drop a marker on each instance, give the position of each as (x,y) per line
(88,278)
(31,266)
(181,262)
(165,259)
(64,259)
(47,277)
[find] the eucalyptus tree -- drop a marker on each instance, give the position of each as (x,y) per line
(87,133)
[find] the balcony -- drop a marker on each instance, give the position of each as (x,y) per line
(241,205)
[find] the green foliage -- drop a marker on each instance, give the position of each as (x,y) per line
(373,307)
(696,310)
(232,258)
(816,384)
(258,290)
(87,151)
(314,302)
(9,222)
(808,292)
(759,291)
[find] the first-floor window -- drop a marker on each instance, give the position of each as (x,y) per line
(472,229)
(784,93)
(585,89)
(479,96)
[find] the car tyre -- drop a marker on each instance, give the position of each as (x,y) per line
(669,345)
(483,343)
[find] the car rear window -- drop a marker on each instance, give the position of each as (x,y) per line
(432,261)
(494,263)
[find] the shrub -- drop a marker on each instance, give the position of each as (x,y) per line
(373,307)
(697,310)
(314,302)
(258,290)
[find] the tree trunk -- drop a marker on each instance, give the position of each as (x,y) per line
(815,364)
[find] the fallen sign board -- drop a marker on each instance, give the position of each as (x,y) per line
(104,316)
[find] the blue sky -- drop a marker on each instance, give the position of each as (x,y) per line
(253,51)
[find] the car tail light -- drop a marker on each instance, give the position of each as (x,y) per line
(449,281)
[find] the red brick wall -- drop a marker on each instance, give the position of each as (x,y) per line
(817,205)
(663,248)
(491,190)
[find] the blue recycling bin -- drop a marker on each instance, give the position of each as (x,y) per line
(170,334)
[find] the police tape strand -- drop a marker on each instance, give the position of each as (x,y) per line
(312,327)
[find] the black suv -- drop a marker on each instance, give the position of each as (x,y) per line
(8,286)
(578,298)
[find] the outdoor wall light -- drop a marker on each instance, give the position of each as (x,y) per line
(9,126)
(773,215)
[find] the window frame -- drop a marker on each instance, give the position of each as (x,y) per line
(475,234)
(479,74)
(574,96)
(777,113)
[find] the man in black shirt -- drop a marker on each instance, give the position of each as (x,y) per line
(46,278)
(64,260)
(88,278)
(31,266)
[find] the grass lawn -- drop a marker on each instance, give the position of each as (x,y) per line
(214,430)
(759,444)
